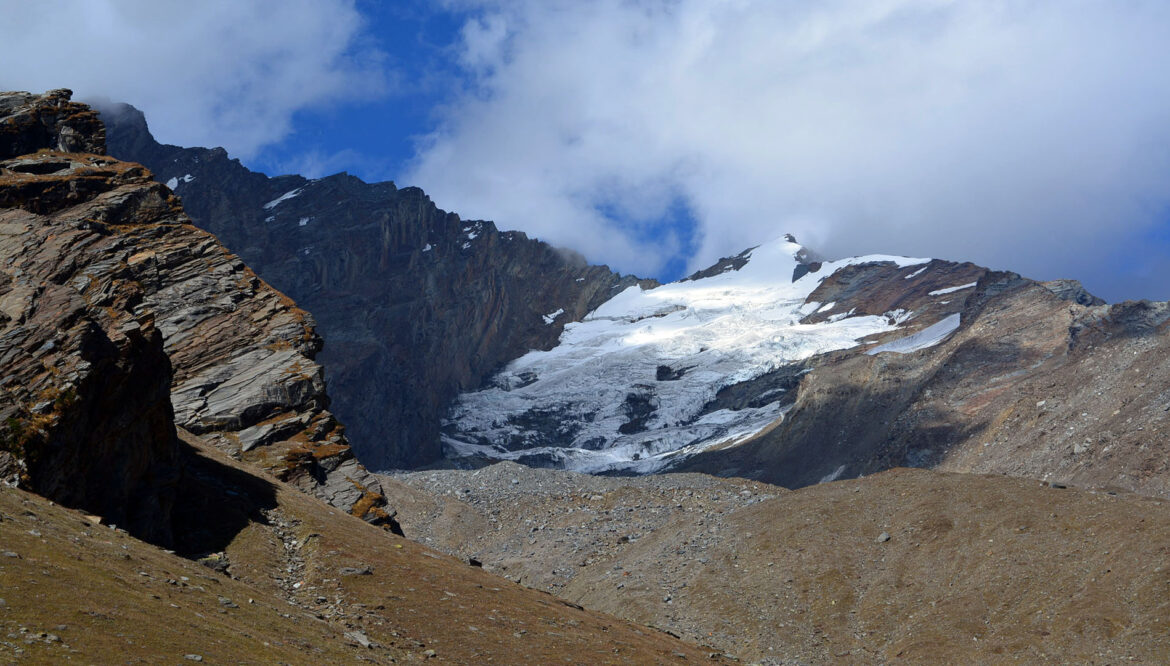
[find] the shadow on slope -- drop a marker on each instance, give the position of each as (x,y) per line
(216,503)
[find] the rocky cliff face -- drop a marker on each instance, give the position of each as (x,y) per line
(85,409)
(245,377)
(416,304)
(108,288)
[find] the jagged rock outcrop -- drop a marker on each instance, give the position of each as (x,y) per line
(85,415)
(48,122)
(244,370)
(416,304)
(109,287)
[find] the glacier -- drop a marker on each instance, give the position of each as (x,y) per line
(630,388)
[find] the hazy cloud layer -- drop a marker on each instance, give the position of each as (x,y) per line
(209,73)
(1022,135)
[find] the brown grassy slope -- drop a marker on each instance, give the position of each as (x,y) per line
(291,597)
(977,569)
(75,591)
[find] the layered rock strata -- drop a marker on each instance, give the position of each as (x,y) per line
(109,287)
(85,415)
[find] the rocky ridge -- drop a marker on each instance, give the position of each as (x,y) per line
(48,122)
(116,305)
(1040,380)
(416,304)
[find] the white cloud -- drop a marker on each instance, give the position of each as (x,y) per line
(1023,135)
(209,73)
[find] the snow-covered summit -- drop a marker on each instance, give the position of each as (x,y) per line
(632,386)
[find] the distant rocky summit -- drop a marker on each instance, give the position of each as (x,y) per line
(416,305)
(779,366)
(1038,380)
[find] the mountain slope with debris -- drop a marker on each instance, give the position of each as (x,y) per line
(907,565)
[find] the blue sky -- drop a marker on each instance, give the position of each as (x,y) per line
(659,135)
(375,137)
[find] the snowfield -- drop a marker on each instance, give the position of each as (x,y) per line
(627,388)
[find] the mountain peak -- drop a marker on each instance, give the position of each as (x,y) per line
(635,386)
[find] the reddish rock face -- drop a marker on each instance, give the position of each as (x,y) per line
(112,305)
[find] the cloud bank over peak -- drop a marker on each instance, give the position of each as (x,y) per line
(208,73)
(1029,136)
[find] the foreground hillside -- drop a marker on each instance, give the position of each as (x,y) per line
(297,582)
(908,565)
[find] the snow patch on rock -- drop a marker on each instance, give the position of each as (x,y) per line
(927,337)
(282,198)
(951,290)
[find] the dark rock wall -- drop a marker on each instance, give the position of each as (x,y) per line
(414,303)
